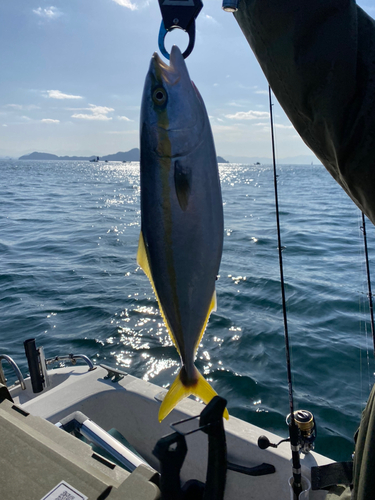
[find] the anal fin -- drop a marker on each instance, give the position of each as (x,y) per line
(142,260)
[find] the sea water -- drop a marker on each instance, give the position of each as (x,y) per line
(68,277)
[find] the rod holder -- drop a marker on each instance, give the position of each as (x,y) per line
(37,365)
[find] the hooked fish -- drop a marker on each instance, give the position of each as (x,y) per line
(181,238)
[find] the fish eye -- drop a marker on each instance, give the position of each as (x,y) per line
(159,96)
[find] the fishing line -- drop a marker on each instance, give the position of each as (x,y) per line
(361,312)
(293,429)
(370,299)
(363,229)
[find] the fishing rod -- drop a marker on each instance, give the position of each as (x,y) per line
(363,228)
(293,428)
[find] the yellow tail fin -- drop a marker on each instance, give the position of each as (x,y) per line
(179,391)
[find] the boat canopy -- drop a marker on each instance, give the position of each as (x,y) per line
(319,59)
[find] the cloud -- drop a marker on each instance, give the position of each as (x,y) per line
(211,117)
(124,118)
(27,107)
(133,4)
(56,94)
(279,125)
(208,18)
(97,113)
(249,115)
(122,132)
(82,116)
(264,92)
(49,120)
(235,104)
(14,106)
(48,12)
(4,125)
(99,109)
(127,3)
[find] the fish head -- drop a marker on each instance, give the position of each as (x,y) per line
(173,114)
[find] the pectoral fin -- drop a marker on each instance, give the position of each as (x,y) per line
(182,181)
(178,391)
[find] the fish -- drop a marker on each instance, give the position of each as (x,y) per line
(182,224)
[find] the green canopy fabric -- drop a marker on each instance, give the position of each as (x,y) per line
(319,59)
(364,458)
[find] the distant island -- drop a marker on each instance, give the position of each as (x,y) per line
(132,155)
(220,159)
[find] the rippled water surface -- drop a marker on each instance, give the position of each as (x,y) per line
(68,276)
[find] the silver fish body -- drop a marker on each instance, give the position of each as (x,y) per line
(181,212)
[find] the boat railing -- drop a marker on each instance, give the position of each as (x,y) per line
(72,358)
(17,371)
(39,374)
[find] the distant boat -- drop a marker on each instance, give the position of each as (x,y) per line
(257,163)
(95,160)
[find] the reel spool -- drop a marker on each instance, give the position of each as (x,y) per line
(305,422)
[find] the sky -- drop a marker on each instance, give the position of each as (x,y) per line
(72,75)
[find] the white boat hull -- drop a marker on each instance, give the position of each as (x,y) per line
(131,406)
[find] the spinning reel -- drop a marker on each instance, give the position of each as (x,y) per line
(305,422)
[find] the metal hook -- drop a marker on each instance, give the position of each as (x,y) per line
(178,14)
(162,34)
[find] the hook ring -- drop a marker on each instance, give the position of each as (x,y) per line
(163,32)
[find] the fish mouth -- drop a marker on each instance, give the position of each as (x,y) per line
(168,76)
(172,73)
